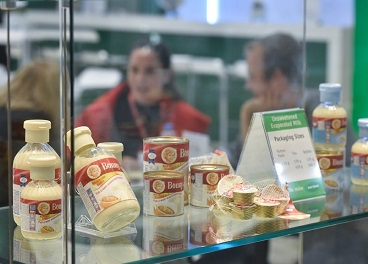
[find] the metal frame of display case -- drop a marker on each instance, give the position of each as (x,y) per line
(66,62)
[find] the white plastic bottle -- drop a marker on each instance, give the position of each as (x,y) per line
(117,149)
(359,155)
(41,206)
(102,185)
(329,118)
(36,138)
(329,135)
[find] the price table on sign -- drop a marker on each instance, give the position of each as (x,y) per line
(289,148)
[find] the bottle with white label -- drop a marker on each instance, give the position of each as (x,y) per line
(329,135)
(101,183)
(41,205)
(36,138)
(116,148)
(329,118)
(359,155)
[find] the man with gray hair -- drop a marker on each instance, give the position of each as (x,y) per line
(274,76)
(275,79)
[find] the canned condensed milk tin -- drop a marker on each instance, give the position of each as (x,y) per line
(204,180)
(163,193)
(331,163)
(167,153)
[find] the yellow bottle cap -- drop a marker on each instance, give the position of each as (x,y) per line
(42,167)
(37,130)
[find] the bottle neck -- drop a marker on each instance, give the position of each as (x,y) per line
(84,148)
(42,173)
(329,103)
(363,132)
(333,97)
(37,136)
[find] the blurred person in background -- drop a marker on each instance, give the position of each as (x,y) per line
(34,93)
(139,107)
(274,77)
(275,80)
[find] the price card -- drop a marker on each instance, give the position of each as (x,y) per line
(279,145)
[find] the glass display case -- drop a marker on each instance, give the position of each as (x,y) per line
(91,40)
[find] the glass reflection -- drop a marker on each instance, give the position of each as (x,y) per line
(201,226)
(36,251)
(164,235)
(271,225)
(358,199)
(111,250)
(334,205)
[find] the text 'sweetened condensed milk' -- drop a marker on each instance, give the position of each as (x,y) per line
(167,153)
(163,193)
(331,163)
(204,180)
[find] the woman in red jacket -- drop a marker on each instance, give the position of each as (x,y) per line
(139,108)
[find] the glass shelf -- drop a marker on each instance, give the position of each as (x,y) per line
(197,231)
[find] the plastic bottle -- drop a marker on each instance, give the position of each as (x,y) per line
(329,135)
(116,148)
(102,185)
(329,118)
(36,138)
(168,129)
(359,155)
(41,205)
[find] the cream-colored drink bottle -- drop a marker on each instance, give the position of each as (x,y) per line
(329,135)
(41,205)
(116,148)
(36,138)
(359,155)
(329,118)
(101,183)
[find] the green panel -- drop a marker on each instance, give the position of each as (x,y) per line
(42,5)
(316,64)
(360,76)
(284,120)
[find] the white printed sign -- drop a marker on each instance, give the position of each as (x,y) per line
(279,146)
